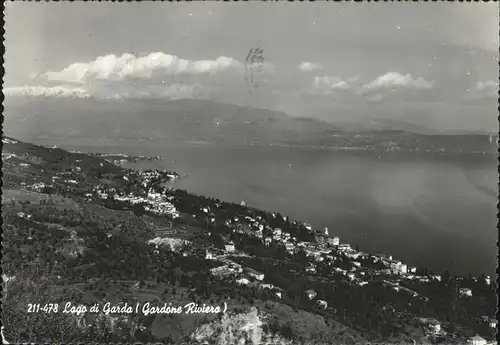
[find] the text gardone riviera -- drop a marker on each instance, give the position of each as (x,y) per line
(126,308)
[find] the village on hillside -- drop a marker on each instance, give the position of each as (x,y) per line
(263,255)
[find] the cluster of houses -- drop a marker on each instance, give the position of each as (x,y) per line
(120,158)
(39,187)
(149,177)
(395,266)
(6,156)
(318,252)
(325,250)
(241,275)
(433,327)
(478,340)
(154,202)
(175,244)
(323,237)
(311,295)
(493,323)
(8,141)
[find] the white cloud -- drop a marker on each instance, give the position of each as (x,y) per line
(490,85)
(386,87)
(168,91)
(482,90)
(394,79)
(328,85)
(309,66)
(49,91)
(156,75)
(112,67)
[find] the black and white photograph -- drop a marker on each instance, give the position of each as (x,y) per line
(250,173)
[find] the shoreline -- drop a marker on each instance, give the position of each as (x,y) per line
(292,255)
(408,153)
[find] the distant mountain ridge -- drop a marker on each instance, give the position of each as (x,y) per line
(206,121)
(184,119)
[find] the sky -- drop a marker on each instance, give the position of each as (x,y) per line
(432,64)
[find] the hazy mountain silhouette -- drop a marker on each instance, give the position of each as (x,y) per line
(175,120)
(204,121)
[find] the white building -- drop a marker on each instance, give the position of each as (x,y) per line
(336,241)
(289,247)
(344,246)
(23,215)
(326,231)
(487,280)
(436,277)
(242,281)
(477,340)
(218,270)
(253,273)
(396,267)
(322,304)
(432,325)
(311,269)
(311,294)
(209,255)
(404,268)
(493,323)
(465,292)
(230,247)
(258,276)
(435,327)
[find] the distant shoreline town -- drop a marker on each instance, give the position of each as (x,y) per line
(120,158)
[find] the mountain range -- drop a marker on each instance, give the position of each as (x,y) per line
(204,121)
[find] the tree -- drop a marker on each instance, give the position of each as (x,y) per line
(138,210)
(446,277)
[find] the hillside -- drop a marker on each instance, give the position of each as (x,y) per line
(80,229)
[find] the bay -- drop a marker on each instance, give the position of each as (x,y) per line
(437,213)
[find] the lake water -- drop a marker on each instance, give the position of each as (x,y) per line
(440,214)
